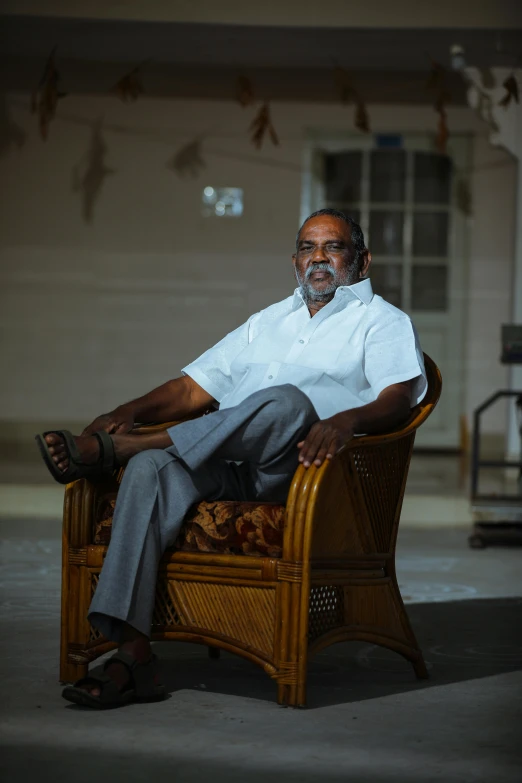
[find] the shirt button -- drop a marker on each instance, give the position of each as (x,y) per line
(301,341)
(270,377)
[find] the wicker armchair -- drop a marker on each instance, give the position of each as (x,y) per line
(332,578)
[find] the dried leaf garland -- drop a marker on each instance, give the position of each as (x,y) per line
(188,161)
(261,125)
(130,86)
(362,120)
(45,98)
(511,88)
(245,91)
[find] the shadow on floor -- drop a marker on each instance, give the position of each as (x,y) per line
(461,640)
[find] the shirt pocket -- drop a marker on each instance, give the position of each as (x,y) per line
(336,361)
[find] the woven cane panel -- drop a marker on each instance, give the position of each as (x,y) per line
(326,610)
(381,473)
(94,634)
(165,613)
(239,612)
(373,606)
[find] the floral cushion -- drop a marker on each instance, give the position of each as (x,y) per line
(230,527)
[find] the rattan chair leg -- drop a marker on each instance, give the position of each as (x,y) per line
(71,672)
(419,667)
(414,653)
(281,695)
(301,690)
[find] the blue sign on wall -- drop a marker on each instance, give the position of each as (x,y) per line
(388,140)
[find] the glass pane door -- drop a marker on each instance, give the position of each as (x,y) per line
(402,198)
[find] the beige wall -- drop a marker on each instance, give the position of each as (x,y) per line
(95,314)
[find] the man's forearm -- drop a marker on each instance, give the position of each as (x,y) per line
(172,401)
(389,410)
(328,436)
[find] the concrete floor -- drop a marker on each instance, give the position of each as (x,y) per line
(368,718)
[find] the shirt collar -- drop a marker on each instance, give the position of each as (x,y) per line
(361,290)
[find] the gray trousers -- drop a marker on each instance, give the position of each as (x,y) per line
(160,486)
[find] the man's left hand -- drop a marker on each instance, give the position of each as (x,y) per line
(326,438)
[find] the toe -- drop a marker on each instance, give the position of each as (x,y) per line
(52,439)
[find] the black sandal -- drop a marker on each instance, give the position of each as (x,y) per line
(102,469)
(142,686)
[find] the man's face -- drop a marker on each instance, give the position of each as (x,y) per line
(324,259)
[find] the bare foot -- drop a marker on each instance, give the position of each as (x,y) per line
(88,447)
(125,447)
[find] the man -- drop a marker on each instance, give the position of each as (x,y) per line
(293,384)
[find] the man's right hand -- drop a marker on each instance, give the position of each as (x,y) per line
(118,422)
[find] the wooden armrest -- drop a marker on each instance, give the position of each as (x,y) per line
(155,426)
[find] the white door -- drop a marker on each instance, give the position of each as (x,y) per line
(404,195)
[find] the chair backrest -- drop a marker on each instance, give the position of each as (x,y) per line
(381,464)
(425,407)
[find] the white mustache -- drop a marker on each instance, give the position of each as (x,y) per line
(322,267)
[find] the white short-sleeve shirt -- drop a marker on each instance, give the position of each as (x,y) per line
(341,358)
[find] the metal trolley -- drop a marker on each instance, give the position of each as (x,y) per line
(498,518)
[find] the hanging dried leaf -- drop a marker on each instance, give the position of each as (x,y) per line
(441,102)
(261,125)
(274,138)
(45,98)
(362,120)
(437,84)
(349,94)
(511,88)
(343,79)
(245,91)
(441,139)
(188,161)
(130,86)
(90,174)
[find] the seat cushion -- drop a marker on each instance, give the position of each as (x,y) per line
(230,527)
